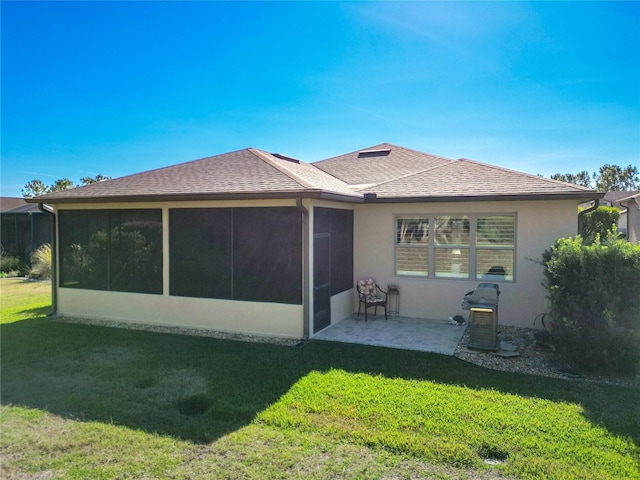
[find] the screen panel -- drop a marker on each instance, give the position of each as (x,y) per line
(84,249)
(267,255)
(135,250)
(341,250)
(200,252)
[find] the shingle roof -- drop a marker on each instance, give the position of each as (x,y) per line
(615,197)
(9,203)
(242,173)
(26,208)
(470,179)
(378,164)
(390,172)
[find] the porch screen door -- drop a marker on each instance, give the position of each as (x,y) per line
(321,281)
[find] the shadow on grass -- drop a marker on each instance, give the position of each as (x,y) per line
(200,389)
(33,313)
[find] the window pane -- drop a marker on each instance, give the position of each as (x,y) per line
(135,251)
(200,252)
(452,262)
(412,230)
(452,230)
(496,230)
(494,264)
(412,261)
(84,249)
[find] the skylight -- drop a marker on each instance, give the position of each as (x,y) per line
(284,157)
(377,152)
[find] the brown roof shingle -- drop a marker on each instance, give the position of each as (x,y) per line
(241,173)
(390,172)
(392,162)
(465,179)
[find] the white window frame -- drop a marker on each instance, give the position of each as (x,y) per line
(472,247)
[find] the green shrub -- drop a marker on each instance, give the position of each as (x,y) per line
(593,292)
(599,222)
(41,262)
(12,266)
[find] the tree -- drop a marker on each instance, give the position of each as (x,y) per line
(36,187)
(609,178)
(581,178)
(61,184)
(613,178)
(96,179)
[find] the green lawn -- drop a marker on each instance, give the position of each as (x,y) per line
(84,401)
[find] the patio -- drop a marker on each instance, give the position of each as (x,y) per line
(438,336)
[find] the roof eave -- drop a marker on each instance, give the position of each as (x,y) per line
(276,195)
(578,196)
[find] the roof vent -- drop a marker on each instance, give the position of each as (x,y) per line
(376,152)
(284,157)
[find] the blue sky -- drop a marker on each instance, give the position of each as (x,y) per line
(122,87)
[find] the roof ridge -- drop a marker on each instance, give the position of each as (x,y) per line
(421,153)
(407,175)
(392,146)
(269,159)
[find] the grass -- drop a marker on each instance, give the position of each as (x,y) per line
(22,299)
(83,401)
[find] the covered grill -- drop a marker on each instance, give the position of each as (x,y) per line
(482,304)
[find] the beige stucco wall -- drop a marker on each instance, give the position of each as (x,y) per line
(539,224)
(270,319)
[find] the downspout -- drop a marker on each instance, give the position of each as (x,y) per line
(584,212)
(305,268)
(32,246)
(54,258)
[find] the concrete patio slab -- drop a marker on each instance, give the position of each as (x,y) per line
(438,336)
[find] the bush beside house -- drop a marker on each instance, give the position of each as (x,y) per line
(12,266)
(593,291)
(599,222)
(41,262)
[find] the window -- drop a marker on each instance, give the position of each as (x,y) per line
(412,246)
(452,237)
(478,247)
(495,247)
(116,250)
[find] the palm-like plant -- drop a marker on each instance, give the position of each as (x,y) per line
(41,262)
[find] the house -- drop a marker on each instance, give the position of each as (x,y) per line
(262,243)
(629,221)
(23,227)
(631,215)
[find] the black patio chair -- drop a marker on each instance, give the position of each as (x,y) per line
(371,295)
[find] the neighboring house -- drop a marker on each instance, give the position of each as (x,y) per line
(23,227)
(262,243)
(626,223)
(631,215)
